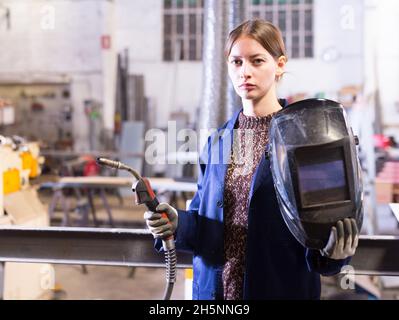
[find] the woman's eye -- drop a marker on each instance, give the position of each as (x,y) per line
(236,62)
(258,61)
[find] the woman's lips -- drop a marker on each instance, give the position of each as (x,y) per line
(247,86)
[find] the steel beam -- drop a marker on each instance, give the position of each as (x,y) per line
(91,246)
(376,255)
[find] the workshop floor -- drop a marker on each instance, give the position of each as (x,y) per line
(104,282)
(113,283)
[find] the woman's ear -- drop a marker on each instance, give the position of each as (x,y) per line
(281,61)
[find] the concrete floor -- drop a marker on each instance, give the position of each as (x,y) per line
(113,283)
(104,282)
(108,282)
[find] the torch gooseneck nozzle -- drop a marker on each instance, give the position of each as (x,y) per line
(118,165)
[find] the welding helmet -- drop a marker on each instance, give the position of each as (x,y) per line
(315,168)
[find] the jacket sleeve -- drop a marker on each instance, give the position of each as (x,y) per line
(186,234)
(323,265)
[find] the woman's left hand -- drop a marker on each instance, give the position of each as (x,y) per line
(343,241)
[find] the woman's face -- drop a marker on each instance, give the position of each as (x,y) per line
(252,69)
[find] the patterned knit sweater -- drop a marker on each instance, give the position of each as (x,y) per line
(248,146)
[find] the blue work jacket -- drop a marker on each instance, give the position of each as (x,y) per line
(277,266)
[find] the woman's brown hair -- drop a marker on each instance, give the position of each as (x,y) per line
(266,33)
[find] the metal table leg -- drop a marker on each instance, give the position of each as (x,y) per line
(107,207)
(92,207)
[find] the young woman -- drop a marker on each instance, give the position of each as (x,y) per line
(241,246)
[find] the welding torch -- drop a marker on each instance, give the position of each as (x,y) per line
(146,195)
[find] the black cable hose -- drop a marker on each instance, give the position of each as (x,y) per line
(171,262)
(168,291)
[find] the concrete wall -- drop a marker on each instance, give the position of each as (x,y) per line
(338,51)
(109,65)
(51,37)
(338,31)
(387,64)
(72,48)
(60,39)
(173,87)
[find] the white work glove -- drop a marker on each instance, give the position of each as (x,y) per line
(343,240)
(162,228)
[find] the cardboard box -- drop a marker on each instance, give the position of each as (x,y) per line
(383,191)
(26,281)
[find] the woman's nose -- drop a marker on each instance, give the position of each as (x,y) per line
(245,71)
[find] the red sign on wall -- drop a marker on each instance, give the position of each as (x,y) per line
(106,42)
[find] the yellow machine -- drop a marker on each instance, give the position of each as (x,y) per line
(11,168)
(20,205)
(19,164)
(31,160)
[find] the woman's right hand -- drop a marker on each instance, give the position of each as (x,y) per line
(162,228)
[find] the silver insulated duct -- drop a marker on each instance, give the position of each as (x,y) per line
(214,88)
(238,13)
(219,101)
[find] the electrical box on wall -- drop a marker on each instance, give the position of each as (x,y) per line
(7,112)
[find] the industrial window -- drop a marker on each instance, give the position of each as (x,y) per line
(295,20)
(183,30)
(183,26)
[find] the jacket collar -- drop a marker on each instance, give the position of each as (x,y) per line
(262,172)
(263,169)
(231,123)
(225,146)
